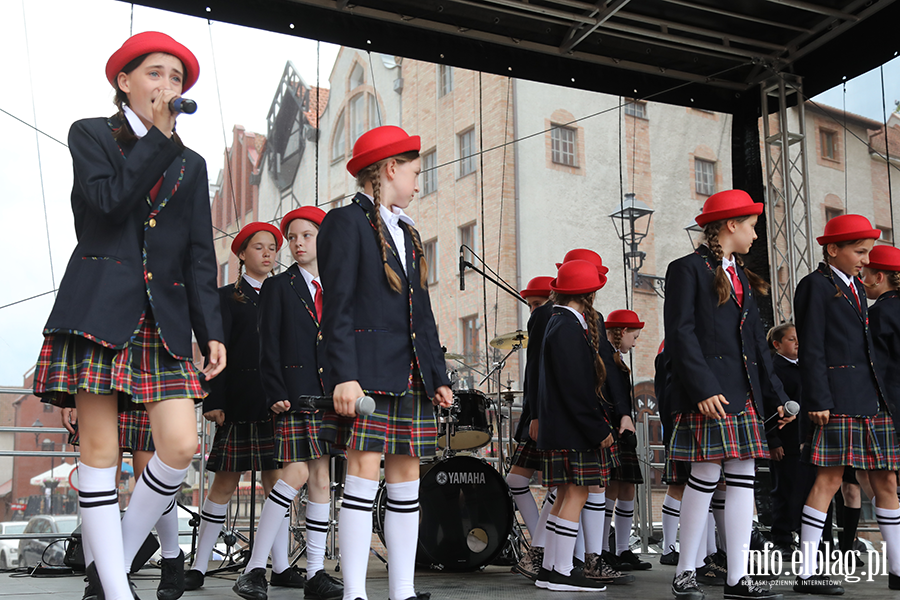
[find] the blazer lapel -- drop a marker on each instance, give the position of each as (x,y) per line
(298,284)
(171,182)
(848,295)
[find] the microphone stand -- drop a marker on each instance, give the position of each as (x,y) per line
(499,283)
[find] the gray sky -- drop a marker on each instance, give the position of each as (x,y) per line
(58,77)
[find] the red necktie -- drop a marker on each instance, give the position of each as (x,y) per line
(738,288)
(318,299)
(855,294)
(155,191)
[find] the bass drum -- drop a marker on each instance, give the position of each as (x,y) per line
(465,514)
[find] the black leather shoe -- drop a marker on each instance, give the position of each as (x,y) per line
(252,585)
(893,581)
(628,561)
(193,580)
(171,579)
(419,596)
(93,590)
(291,577)
(323,586)
(818,584)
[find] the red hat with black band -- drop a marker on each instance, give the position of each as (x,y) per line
(626,319)
(538,286)
(576,277)
(380,143)
(884,258)
(845,228)
(149,42)
(728,204)
(310,213)
(251,229)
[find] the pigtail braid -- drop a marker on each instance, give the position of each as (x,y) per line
(723,286)
(238,294)
(893,278)
(593,320)
(423,263)
(392,277)
(617,343)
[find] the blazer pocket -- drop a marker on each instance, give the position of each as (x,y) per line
(97,257)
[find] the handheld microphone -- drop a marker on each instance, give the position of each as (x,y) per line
(462,270)
(365,405)
(182,105)
(791,409)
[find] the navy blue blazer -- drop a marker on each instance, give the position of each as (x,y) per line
(660,383)
(837,372)
(571,414)
(537,325)
(789,435)
(617,387)
(130,252)
(715,349)
(289,338)
(238,389)
(884,323)
(372,333)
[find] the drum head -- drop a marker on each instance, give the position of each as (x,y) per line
(465,514)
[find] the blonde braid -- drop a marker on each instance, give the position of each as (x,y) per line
(238,294)
(392,277)
(759,285)
(594,332)
(423,263)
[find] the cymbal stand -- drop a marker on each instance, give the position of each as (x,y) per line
(498,367)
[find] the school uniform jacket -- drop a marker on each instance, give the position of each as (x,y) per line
(571,415)
(617,387)
(289,338)
(129,252)
(715,349)
(537,325)
(660,384)
(788,436)
(837,371)
(884,323)
(371,333)
(238,390)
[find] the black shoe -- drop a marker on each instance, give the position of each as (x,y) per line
(746,588)
(610,559)
(542,579)
(94,589)
(669,558)
(628,561)
(323,586)
(252,585)
(193,580)
(291,577)
(577,563)
(419,596)
(599,570)
(893,581)
(171,579)
(684,586)
(709,575)
(573,582)
(818,584)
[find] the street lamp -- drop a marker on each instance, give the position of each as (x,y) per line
(37,423)
(695,233)
(627,220)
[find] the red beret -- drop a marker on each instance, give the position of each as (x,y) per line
(728,205)
(310,213)
(845,228)
(146,43)
(252,228)
(884,258)
(624,318)
(538,286)
(577,277)
(381,142)
(588,255)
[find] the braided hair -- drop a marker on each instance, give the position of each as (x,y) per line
(723,285)
(238,293)
(617,333)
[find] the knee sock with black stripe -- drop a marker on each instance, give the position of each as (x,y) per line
(593,522)
(694,508)
(812,522)
(167,530)
(212,518)
(279,551)
(739,476)
(524,499)
(540,535)
(624,519)
(355,534)
(271,521)
(550,546)
(401,536)
(154,491)
(718,508)
(700,559)
(671,513)
(101,530)
(889,524)
(608,516)
(566,533)
(317,515)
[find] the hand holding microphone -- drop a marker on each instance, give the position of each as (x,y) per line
(791,409)
(182,105)
(364,405)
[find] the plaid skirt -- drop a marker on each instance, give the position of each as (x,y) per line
(297,438)
(696,438)
(629,469)
(141,372)
(867,443)
(676,472)
(239,447)
(134,432)
(581,467)
(404,425)
(527,456)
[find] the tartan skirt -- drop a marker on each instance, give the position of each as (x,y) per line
(867,443)
(580,467)
(405,425)
(676,472)
(134,432)
(141,372)
(629,469)
(297,438)
(527,456)
(239,447)
(696,438)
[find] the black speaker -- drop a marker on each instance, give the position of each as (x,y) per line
(74,557)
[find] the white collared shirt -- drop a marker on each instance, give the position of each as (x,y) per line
(392,220)
(844,277)
(254,283)
(577,314)
(793,360)
(137,126)
(729,262)
(309,278)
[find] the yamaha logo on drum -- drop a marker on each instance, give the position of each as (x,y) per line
(460,478)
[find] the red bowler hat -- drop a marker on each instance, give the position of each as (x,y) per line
(626,319)
(577,277)
(252,228)
(728,205)
(381,142)
(310,213)
(848,227)
(539,286)
(588,255)
(884,258)
(146,43)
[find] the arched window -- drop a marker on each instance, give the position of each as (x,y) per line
(357,76)
(338,142)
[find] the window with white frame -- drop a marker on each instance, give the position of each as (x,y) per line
(636,109)
(429,173)
(357,109)
(470,338)
(467,239)
(466,143)
(828,144)
(357,76)
(339,141)
(704,177)
(563,144)
(445,74)
(431,259)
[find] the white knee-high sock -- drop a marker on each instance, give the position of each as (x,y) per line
(550,546)
(271,521)
(671,513)
(700,559)
(889,524)
(167,530)
(609,515)
(694,508)
(566,533)
(316,534)
(154,490)
(355,534)
(212,518)
(718,508)
(593,517)
(279,551)
(401,536)
(101,529)
(711,531)
(579,542)
(524,499)
(739,476)
(540,535)
(624,519)
(812,522)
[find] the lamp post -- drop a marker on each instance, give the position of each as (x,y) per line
(631,229)
(48,445)
(695,233)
